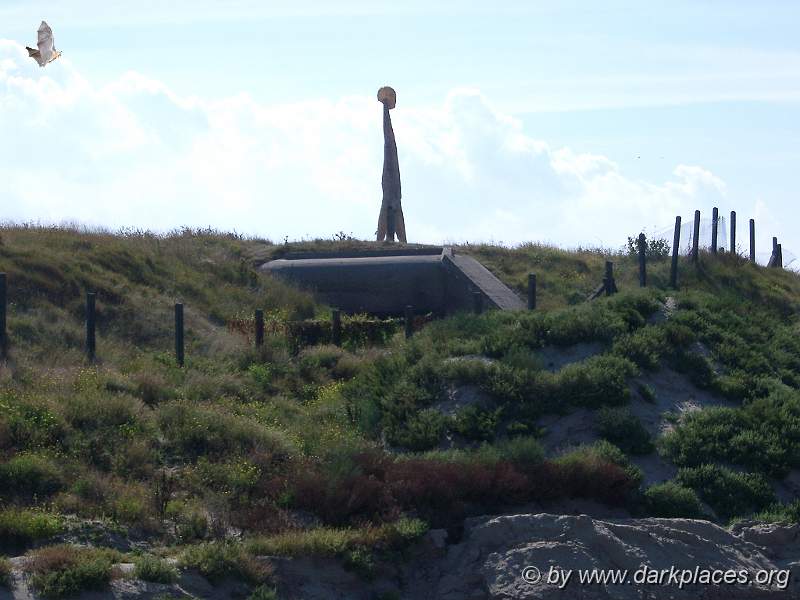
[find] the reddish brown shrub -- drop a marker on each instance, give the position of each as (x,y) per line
(381,488)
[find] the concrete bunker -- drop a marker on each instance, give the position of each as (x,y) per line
(384,282)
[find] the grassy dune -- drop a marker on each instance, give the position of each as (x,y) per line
(347,444)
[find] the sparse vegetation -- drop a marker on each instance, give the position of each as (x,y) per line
(5,572)
(21,527)
(672,500)
(62,571)
(219,560)
(151,568)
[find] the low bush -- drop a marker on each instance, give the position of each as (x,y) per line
(476,423)
(20,528)
(331,542)
(263,592)
(439,491)
(151,568)
(672,500)
(28,475)
(193,431)
(219,560)
(5,572)
(763,435)
(780,513)
(729,493)
(422,430)
(61,571)
(625,430)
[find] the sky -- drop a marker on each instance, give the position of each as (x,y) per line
(572,123)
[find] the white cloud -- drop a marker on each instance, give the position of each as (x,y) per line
(133,153)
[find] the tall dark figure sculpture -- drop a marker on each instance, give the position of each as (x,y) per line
(390,221)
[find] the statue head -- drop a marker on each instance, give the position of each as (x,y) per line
(387,96)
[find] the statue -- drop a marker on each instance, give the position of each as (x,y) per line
(390,221)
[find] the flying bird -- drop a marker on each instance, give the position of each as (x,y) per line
(47,52)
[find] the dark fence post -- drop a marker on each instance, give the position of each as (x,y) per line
(91,340)
(336,327)
(695,237)
(259,328)
(676,242)
(714,227)
(752,240)
(733,232)
(642,246)
(3,309)
(179,355)
(531,291)
(477,302)
(608,281)
(409,321)
(779,254)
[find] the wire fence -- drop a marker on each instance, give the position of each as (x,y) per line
(706,235)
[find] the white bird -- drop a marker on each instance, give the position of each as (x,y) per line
(47,52)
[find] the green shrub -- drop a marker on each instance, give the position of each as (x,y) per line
(332,542)
(644,347)
(28,476)
(234,478)
(421,431)
(763,435)
(33,426)
(263,592)
(151,568)
(5,572)
(620,427)
(522,451)
(21,527)
(61,571)
(647,393)
(476,423)
(780,513)
(194,431)
(597,381)
(671,500)
(728,492)
(603,451)
(217,561)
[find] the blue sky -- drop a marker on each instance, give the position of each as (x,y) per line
(577,123)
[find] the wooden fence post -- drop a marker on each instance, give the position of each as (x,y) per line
(752,240)
(531,291)
(3,311)
(179,354)
(91,322)
(676,242)
(642,247)
(409,321)
(695,237)
(336,327)
(259,328)
(608,281)
(477,302)
(714,227)
(733,232)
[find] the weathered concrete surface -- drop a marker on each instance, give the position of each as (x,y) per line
(479,278)
(441,283)
(489,562)
(378,284)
